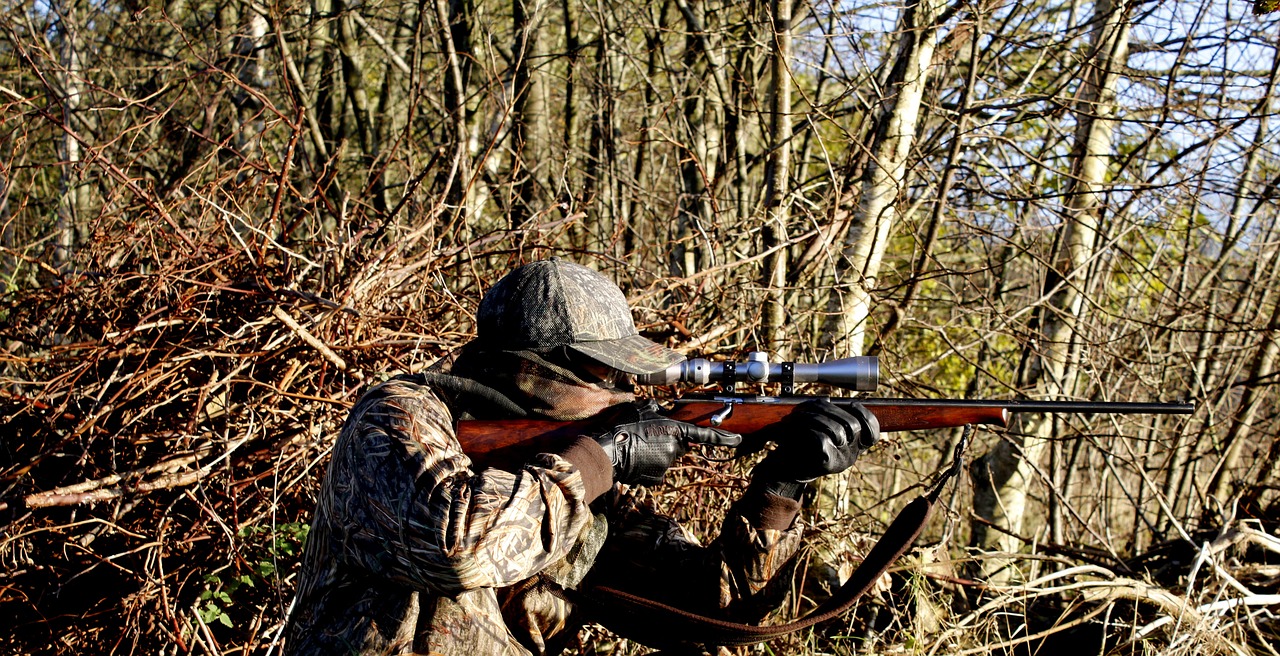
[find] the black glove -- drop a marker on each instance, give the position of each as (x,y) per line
(643,444)
(816,439)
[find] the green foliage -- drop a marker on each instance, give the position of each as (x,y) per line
(264,549)
(282,540)
(216,599)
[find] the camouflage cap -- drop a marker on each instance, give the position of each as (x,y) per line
(554,302)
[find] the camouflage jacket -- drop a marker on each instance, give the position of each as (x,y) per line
(411,551)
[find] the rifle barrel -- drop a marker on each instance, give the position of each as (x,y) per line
(1028,405)
(751,413)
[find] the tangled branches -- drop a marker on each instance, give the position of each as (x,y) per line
(164,431)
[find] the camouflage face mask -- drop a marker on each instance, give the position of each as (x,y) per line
(544,381)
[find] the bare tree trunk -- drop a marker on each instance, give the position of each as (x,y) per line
(1256,391)
(572,45)
(248,55)
(653,45)
(613,74)
(738,126)
(527,122)
(867,236)
(8,239)
(306,96)
(72,207)
(1263,364)
(1206,365)
(455,40)
(575,162)
(883,185)
(1004,477)
(392,115)
(1264,475)
(944,190)
(774,231)
(601,177)
(354,76)
(702,121)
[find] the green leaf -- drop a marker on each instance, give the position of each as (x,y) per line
(211,613)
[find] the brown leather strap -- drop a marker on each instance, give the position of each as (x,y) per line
(662,626)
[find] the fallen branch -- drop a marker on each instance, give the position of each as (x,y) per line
(95,491)
(313,341)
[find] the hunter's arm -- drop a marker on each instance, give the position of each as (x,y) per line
(404,503)
(740,576)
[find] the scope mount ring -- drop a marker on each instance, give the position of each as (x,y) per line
(788,378)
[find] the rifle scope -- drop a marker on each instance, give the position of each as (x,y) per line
(860,374)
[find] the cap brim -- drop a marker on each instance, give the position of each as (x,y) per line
(633,354)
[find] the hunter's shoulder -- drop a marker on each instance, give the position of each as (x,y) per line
(403,390)
(404,402)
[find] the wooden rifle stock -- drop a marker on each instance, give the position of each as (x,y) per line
(510,442)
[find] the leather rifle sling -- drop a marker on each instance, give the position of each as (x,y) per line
(659,625)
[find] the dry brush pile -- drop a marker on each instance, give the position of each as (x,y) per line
(164,433)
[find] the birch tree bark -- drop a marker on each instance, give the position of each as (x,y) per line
(1003,478)
(937,216)
(882,187)
(866,240)
(778,174)
(70,78)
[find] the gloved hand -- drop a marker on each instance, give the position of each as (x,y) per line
(643,444)
(818,438)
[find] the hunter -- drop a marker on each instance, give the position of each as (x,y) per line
(412,550)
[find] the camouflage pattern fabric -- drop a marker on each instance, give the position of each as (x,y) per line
(413,552)
(530,379)
(742,576)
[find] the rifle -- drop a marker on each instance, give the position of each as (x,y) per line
(511,441)
(496,443)
(514,441)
